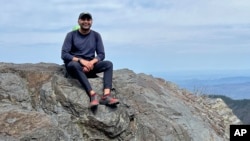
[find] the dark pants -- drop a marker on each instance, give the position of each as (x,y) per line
(76,71)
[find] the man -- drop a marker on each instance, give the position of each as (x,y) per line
(78,53)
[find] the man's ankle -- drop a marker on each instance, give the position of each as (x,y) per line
(91,93)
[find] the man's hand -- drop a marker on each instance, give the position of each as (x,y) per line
(88,65)
(93,61)
(85,69)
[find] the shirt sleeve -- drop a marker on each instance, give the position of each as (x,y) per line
(100,48)
(66,48)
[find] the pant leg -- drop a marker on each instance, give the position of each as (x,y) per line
(107,68)
(75,70)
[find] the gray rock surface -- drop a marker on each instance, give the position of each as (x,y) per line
(38,103)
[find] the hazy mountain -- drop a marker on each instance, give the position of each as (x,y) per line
(233,87)
(234,84)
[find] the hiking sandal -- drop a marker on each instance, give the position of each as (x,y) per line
(94,100)
(108,100)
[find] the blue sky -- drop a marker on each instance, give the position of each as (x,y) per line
(144,36)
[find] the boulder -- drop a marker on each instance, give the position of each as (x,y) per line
(37,102)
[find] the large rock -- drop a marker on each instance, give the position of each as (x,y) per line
(37,102)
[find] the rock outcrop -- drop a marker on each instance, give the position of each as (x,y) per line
(37,102)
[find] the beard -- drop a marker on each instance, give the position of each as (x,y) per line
(85,27)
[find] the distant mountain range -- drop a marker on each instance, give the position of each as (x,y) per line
(233,87)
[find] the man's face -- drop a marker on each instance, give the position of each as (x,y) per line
(85,23)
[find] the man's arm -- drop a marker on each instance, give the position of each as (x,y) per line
(66,48)
(100,48)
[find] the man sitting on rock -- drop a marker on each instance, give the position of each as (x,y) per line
(78,54)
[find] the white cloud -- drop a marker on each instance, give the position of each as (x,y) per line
(166,28)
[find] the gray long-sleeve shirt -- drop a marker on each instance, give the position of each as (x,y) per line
(83,46)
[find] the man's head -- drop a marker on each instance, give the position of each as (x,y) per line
(85,15)
(85,21)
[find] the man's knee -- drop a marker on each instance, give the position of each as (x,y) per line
(73,65)
(109,64)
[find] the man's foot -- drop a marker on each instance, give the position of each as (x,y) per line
(108,100)
(94,100)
